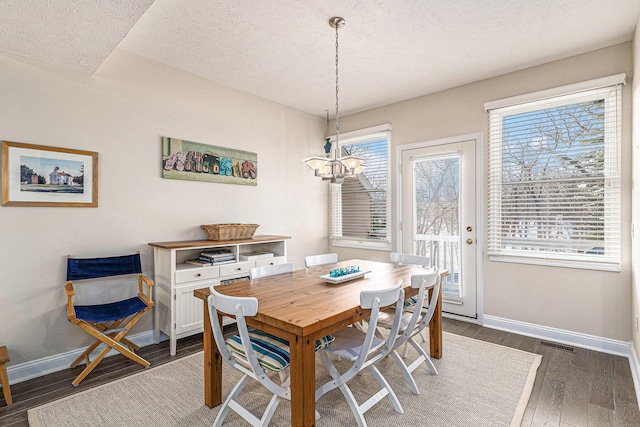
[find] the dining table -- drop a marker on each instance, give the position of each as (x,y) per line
(303,306)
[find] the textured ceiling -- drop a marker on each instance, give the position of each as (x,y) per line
(73,34)
(283,50)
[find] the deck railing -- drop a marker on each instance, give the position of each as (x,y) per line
(444,253)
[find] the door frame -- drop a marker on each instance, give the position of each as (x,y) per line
(479,203)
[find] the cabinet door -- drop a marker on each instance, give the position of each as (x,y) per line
(189,309)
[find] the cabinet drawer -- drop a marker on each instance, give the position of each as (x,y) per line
(237,268)
(197,273)
(270,261)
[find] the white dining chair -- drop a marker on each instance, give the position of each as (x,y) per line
(271,270)
(253,353)
(320,259)
(364,349)
(413,323)
(408,259)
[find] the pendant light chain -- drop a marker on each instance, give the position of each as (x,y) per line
(337,96)
(336,169)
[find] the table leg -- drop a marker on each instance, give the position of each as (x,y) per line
(212,365)
(303,384)
(435,328)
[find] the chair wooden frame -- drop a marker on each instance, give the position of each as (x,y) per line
(109,332)
(4,379)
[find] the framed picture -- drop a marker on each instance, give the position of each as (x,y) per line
(194,161)
(38,175)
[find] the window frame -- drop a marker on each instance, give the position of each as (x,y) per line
(349,138)
(607,89)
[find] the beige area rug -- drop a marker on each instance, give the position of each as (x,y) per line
(479,384)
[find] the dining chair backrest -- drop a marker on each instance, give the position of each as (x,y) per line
(408,259)
(271,270)
(419,319)
(429,279)
(311,260)
(375,300)
(236,306)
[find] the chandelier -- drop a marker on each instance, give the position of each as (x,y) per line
(331,167)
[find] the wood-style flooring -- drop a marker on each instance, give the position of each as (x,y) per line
(573,387)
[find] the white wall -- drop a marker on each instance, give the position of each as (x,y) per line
(585,301)
(122,112)
(635,300)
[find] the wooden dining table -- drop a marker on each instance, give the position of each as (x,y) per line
(302,307)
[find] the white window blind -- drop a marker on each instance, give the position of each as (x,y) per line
(360,206)
(554,180)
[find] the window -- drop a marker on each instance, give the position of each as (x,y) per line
(360,207)
(554,177)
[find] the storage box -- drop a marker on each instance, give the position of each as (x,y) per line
(252,256)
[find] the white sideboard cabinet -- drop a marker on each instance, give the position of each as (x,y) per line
(177,313)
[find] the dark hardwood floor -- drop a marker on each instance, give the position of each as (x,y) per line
(573,387)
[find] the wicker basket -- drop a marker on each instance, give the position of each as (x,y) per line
(229,231)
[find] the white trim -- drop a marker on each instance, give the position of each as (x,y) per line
(396,220)
(592,342)
(59,362)
(384,245)
(480,244)
(634,364)
(366,132)
(615,79)
(528,259)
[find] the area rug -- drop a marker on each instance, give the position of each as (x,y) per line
(479,384)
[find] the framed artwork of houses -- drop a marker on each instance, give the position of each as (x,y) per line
(38,175)
(209,163)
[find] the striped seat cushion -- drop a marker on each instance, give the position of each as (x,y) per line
(272,352)
(410,302)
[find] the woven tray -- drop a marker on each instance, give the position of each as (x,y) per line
(229,231)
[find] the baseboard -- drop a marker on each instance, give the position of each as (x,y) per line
(48,365)
(592,342)
(634,363)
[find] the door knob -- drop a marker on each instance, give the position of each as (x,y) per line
(469,228)
(469,241)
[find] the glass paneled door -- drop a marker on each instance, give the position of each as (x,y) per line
(438,216)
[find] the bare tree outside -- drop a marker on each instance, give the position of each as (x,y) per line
(437,216)
(553,179)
